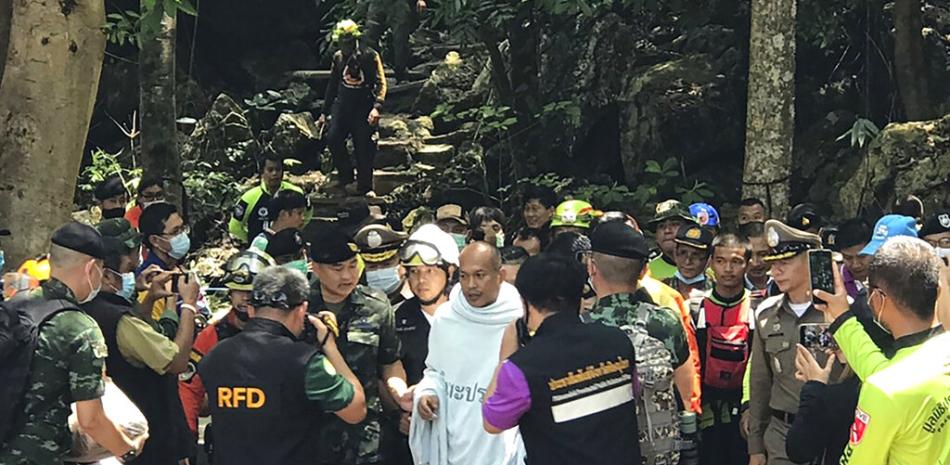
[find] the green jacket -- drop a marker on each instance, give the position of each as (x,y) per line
(251,215)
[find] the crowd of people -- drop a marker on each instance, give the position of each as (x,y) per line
(559,334)
(565,334)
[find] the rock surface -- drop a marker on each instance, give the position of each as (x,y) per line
(906,158)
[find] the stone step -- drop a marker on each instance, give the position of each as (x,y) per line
(393,152)
(452,138)
(438,155)
(385,181)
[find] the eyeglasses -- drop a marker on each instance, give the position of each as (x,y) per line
(416,253)
(943,243)
(276,300)
(183,229)
(152,196)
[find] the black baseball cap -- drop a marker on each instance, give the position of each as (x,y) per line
(694,235)
(109,188)
(286,242)
(331,245)
(81,238)
(618,239)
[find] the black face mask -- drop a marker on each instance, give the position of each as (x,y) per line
(240,315)
(111,213)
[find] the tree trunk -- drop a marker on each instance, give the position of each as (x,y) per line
(770,121)
(48,85)
(909,61)
(159,137)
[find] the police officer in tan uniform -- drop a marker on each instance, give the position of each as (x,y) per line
(774,391)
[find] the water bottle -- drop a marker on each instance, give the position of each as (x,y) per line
(689,436)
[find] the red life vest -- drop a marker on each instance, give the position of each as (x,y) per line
(727,343)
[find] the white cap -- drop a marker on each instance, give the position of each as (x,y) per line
(442,241)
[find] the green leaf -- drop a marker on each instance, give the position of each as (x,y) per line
(186,7)
(653,167)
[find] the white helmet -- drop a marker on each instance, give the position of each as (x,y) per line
(429,245)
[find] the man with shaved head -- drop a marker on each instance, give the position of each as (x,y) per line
(66,361)
(464,345)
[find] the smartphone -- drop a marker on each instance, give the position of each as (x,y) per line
(821,272)
(175,277)
(816,337)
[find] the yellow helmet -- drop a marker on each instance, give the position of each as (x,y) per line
(574,213)
(36,268)
(346,28)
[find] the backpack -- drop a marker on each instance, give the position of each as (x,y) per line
(657,413)
(727,344)
(20,321)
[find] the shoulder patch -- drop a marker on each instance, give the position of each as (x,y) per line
(767,303)
(860,425)
(239,210)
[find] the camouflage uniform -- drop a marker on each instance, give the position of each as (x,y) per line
(367,342)
(67,367)
(635,313)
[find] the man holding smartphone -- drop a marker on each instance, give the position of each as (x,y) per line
(773,387)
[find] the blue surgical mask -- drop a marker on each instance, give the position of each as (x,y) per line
(460,240)
(690,281)
(128,286)
(299,265)
(180,245)
(386,279)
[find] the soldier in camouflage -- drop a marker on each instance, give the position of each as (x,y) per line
(618,257)
(368,343)
(68,361)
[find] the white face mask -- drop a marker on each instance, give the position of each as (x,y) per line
(92,292)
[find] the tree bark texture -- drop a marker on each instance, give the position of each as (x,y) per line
(770,122)
(159,136)
(54,51)
(909,61)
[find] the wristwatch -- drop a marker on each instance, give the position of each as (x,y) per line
(129,456)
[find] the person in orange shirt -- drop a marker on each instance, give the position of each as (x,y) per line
(150,190)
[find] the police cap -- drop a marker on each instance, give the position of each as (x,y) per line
(804,216)
(285,243)
(619,240)
(378,242)
(119,233)
(786,241)
(80,238)
(939,223)
(694,235)
(331,245)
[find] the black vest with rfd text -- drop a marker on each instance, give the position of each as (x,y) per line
(255,386)
(583,409)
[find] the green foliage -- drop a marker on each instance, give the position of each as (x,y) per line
(863,131)
(105,164)
(567,109)
(492,119)
(123,27)
(659,181)
(211,193)
(130,27)
(269,100)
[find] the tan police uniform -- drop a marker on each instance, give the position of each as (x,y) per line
(774,391)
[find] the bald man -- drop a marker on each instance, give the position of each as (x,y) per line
(464,343)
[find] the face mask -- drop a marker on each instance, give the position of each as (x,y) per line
(111,213)
(386,279)
(94,292)
(941,252)
(460,240)
(241,314)
(128,285)
(180,245)
(299,265)
(877,316)
(153,202)
(500,240)
(690,281)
